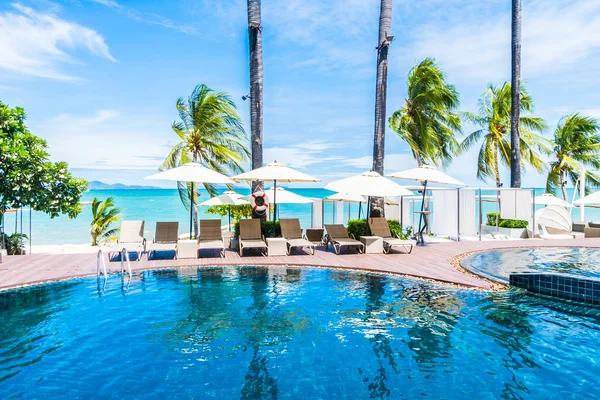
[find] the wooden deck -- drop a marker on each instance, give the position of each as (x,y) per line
(431,262)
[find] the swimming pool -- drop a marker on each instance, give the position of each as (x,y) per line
(499,264)
(290,333)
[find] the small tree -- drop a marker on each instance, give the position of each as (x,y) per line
(27,176)
(104,214)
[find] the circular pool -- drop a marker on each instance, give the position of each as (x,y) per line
(290,333)
(499,264)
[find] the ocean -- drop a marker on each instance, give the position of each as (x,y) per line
(152,205)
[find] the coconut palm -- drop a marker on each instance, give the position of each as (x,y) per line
(515,116)
(104,214)
(383,45)
(429,120)
(256,86)
(577,140)
(210,133)
(494,118)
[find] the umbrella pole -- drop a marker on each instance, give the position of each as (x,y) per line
(359,209)
(420,240)
(230,218)
(191,209)
(275,200)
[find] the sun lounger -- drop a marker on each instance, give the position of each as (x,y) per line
(165,237)
(292,232)
(250,236)
(379,227)
(131,237)
(316,236)
(211,236)
(337,235)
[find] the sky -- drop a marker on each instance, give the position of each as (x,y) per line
(99,78)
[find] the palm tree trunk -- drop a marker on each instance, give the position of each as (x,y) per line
(256,86)
(515,113)
(563,178)
(385,23)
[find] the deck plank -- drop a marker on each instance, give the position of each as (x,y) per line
(431,262)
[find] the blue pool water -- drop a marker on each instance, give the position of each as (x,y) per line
(499,264)
(270,333)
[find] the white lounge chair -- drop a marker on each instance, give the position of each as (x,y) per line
(292,232)
(379,227)
(338,236)
(165,237)
(554,222)
(250,236)
(211,236)
(131,237)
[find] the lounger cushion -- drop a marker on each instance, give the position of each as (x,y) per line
(299,243)
(348,242)
(399,242)
(211,244)
(253,244)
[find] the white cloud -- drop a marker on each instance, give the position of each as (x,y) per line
(301,155)
(148,18)
(105,139)
(591,112)
(37,44)
(393,162)
(555,35)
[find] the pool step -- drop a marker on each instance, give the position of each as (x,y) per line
(562,286)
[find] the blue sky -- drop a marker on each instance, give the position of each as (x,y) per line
(99,78)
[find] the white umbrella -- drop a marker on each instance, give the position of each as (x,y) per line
(284,196)
(275,172)
(194,173)
(347,197)
(593,198)
(368,184)
(229,198)
(548,199)
(426,174)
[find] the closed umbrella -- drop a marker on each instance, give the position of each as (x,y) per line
(426,174)
(193,173)
(229,198)
(275,172)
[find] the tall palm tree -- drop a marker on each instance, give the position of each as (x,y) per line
(210,133)
(256,86)
(577,140)
(494,118)
(429,119)
(383,45)
(104,214)
(515,116)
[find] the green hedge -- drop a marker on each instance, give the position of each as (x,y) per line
(360,227)
(505,223)
(268,229)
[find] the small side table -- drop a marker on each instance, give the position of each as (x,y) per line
(276,247)
(187,249)
(373,244)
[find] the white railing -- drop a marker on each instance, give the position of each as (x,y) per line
(101,263)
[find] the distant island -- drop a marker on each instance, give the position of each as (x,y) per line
(97,185)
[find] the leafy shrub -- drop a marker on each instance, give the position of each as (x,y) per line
(15,243)
(268,229)
(505,223)
(358,227)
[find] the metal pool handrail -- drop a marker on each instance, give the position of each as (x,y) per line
(124,255)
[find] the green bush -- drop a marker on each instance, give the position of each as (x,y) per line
(505,223)
(358,227)
(268,229)
(15,243)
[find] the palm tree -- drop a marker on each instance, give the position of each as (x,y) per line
(383,45)
(515,116)
(494,118)
(104,214)
(210,133)
(428,120)
(577,140)
(256,86)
